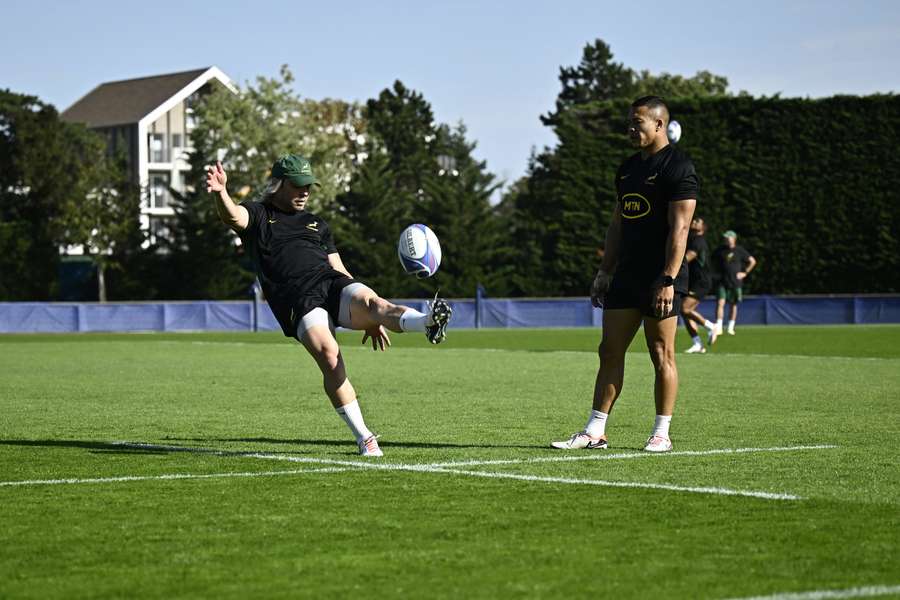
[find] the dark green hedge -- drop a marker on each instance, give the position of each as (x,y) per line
(810,186)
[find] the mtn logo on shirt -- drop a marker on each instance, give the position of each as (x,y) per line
(635,206)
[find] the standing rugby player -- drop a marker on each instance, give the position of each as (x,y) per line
(643,274)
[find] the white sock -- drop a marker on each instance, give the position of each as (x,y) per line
(696,340)
(412,320)
(709,324)
(731,325)
(352,416)
(596,425)
(661,426)
(719,323)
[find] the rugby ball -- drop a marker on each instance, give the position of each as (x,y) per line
(419,251)
(673,131)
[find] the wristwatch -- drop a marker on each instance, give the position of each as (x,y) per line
(666,281)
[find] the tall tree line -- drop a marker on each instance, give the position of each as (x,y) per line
(806,183)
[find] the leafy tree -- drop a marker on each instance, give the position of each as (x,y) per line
(598,78)
(252,128)
(701,85)
(368,221)
(417,171)
(248,131)
(56,189)
(560,213)
(106,224)
(457,204)
(404,123)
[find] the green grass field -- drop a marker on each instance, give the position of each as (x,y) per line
(238,480)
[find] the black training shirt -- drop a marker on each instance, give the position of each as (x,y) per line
(730,262)
(698,269)
(644,189)
(289,250)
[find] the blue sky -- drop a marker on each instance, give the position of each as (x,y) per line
(491,64)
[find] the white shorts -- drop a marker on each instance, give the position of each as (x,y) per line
(319,317)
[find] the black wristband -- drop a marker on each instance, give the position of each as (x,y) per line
(666,281)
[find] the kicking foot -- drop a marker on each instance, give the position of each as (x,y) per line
(713,335)
(657,443)
(582,440)
(369,447)
(696,349)
(439,313)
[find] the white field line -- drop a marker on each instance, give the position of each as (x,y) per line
(717,491)
(600,455)
(167,477)
(442,467)
(344,465)
(857,592)
(369,464)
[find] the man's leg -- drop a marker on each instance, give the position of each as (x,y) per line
(660,336)
(687,313)
(720,309)
(619,327)
(318,340)
(732,317)
(690,316)
(362,309)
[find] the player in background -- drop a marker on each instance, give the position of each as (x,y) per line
(699,282)
(734,263)
(643,274)
(308,287)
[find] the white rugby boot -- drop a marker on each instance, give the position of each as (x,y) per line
(369,447)
(658,443)
(581,440)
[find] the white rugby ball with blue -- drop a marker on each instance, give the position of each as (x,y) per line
(419,251)
(673,131)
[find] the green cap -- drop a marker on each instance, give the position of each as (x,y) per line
(730,234)
(296,169)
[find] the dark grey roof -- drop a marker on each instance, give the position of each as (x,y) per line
(129,101)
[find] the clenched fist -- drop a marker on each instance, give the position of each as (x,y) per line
(600,287)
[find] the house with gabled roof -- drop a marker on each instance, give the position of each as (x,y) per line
(150,119)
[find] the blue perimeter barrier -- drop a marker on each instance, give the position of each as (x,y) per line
(41,317)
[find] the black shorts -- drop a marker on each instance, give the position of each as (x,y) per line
(326,294)
(698,290)
(630,294)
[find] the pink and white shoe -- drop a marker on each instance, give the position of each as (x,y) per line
(369,447)
(658,443)
(581,440)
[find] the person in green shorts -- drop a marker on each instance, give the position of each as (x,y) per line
(733,263)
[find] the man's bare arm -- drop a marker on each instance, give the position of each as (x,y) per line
(680,214)
(751,264)
(338,265)
(613,236)
(233,215)
(610,259)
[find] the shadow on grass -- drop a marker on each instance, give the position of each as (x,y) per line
(344,442)
(96,447)
(100,447)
